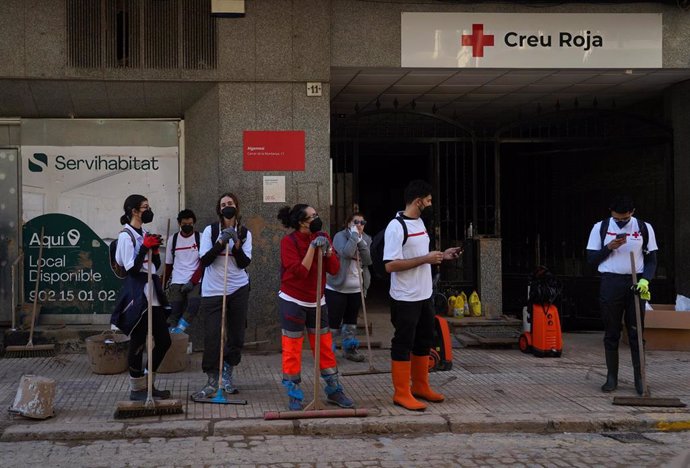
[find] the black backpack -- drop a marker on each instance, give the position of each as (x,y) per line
(215,232)
(377,247)
(118,269)
(643,231)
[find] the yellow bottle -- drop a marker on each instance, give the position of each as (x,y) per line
(459,309)
(475,304)
(451,306)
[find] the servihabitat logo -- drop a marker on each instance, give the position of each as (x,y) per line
(39,161)
(584,40)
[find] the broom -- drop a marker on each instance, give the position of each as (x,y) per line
(372,369)
(30,350)
(646,399)
(220,398)
(150,407)
(316,408)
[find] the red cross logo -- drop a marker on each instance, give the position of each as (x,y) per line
(636,235)
(478,40)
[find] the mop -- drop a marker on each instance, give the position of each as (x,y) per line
(220,398)
(646,399)
(372,369)
(150,407)
(316,408)
(30,350)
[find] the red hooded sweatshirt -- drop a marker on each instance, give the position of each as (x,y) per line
(295,280)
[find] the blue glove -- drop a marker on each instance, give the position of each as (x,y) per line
(320,242)
(227,234)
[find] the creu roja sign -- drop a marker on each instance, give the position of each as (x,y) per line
(585,40)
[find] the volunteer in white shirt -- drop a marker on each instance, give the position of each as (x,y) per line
(183,268)
(609,248)
(214,240)
(409,261)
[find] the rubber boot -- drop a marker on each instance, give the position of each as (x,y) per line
(227,382)
(637,372)
(335,393)
(137,388)
(401,372)
(162,394)
(611,371)
(335,333)
(420,380)
(180,327)
(351,343)
(295,394)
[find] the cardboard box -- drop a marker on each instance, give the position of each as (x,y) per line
(666,329)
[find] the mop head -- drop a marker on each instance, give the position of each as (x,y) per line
(140,409)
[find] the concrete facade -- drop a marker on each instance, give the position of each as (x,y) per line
(264,60)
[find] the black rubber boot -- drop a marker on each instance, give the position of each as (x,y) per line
(611,371)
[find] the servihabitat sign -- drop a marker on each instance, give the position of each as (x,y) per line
(531,40)
(72,270)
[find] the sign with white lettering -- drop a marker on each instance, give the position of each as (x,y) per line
(532,40)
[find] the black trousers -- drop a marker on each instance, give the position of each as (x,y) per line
(236,308)
(617,302)
(342,308)
(137,342)
(414,328)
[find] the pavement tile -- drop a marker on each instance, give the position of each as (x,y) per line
(168,429)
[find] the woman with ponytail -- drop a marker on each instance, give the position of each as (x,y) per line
(297,302)
(129,315)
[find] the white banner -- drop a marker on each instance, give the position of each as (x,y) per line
(531,40)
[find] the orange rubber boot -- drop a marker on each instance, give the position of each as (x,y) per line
(420,380)
(400,371)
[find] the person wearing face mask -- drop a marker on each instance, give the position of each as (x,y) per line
(129,313)
(343,291)
(609,246)
(214,242)
(183,270)
(297,302)
(409,264)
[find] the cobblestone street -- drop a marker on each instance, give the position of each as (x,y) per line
(436,450)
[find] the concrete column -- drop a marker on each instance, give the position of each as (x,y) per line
(678,105)
(490,276)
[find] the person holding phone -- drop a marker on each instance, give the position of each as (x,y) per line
(409,263)
(610,243)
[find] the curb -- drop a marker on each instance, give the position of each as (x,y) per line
(412,424)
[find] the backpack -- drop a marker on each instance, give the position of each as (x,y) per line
(197,239)
(215,232)
(640,223)
(377,247)
(118,269)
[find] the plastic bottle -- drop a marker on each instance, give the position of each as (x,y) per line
(451,306)
(461,306)
(475,304)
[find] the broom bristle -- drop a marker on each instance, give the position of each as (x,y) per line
(138,409)
(30,351)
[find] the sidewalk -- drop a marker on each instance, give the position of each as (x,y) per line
(500,390)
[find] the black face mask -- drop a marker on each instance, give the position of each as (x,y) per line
(427,212)
(228,212)
(187,228)
(621,224)
(147,216)
(315,225)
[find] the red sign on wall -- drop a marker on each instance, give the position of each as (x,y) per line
(273,150)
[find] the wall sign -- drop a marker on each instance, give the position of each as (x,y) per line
(273,150)
(274,189)
(532,40)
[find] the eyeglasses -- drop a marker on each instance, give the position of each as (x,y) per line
(314,216)
(363,222)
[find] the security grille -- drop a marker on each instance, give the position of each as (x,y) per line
(152,34)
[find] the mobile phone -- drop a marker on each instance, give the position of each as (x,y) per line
(621,236)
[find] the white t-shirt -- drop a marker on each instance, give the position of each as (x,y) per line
(126,252)
(186,258)
(413,284)
(212,284)
(618,260)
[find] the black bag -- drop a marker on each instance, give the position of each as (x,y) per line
(377,247)
(118,269)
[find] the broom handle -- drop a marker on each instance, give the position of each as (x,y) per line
(638,319)
(317,336)
(167,235)
(14,292)
(38,282)
(222,315)
(149,331)
(364,308)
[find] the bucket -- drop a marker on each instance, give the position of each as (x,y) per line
(35,397)
(176,359)
(107,352)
